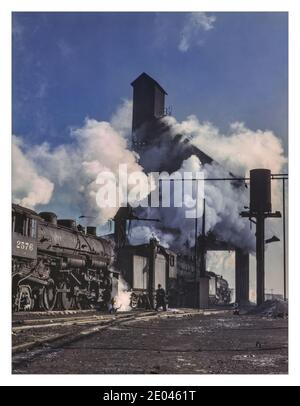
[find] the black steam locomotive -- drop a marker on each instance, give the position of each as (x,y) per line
(56,264)
(219,291)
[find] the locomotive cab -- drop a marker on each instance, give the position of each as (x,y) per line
(24,233)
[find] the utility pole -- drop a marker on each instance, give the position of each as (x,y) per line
(202,252)
(196,249)
(260,258)
(151,274)
(284,240)
(203,248)
(195,260)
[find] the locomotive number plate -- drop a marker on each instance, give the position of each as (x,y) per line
(27,246)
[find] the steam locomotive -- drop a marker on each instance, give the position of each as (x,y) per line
(219,291)
(56,264)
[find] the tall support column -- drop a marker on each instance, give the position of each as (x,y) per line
(203,245)
(241,277)
(260,258)
(204,279)
(260,209)
(151,274)
(284,241)
(196,298)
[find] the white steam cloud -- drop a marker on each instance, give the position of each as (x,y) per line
(103,146)
(122,300)
(195,24)
(142,235)
(121,121)
(97,147)
(239,151)
(29,188)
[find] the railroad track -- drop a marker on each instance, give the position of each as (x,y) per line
(51,331)
(19,325)
(27,317)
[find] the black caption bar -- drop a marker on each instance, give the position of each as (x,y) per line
(130,394)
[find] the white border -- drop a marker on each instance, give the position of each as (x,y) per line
(5,123)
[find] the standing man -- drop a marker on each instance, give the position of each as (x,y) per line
(160,298)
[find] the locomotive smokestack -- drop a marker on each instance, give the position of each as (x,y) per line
(68,223)
(49,217)
(91,230)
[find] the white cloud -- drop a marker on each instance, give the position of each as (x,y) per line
(238,151)
(195,24)
(97,146)
(121,121)
(29,188)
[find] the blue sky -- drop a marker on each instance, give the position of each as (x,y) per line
(222,67)
(228,67)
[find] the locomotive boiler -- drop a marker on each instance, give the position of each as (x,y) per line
(57,264)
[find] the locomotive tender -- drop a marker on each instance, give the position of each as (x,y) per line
(144,267)
(56,264)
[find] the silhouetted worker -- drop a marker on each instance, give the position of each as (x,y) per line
(160,298)
(110,305)
(236,310)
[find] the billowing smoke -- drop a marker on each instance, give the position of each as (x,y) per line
(96,148)
(123,298)
(236,152)
(174,229)
(142,235)
(239,151)
(29,187)
(121,121)
(99,146)
(223,203)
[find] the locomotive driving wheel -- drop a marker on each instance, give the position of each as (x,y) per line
(81,302)
(49,295)
(66,296)
(134,301)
